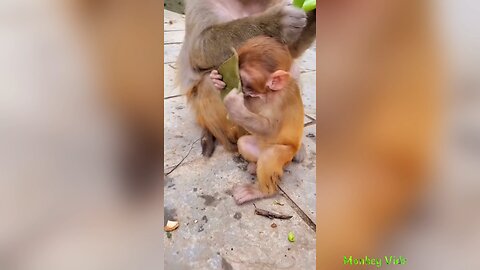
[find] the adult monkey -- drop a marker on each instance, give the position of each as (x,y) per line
(213,27)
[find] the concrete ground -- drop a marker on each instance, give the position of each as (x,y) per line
(214,232)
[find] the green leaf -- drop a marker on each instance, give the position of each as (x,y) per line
(230,74)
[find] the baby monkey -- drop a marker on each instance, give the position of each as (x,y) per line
(270,108)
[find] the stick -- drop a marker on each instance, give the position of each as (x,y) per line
(269,214)
(178,164)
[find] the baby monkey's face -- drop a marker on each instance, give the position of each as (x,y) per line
(253,82)
(257,81)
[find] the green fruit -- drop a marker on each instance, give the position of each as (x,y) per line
(298,3)
(309,5)
(291,237)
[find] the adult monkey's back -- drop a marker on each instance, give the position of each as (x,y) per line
(212,29)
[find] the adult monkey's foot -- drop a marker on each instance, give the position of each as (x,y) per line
(208,143)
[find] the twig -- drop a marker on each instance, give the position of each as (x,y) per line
(174,96)
(309,123)
(269,214)
(299,211)
(309,117)
(178,164)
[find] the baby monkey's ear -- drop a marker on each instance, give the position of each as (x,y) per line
(278,80)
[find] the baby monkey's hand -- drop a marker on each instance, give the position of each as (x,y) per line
(234,102)
(217,79)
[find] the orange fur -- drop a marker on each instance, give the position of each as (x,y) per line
(279,141)
(212,115)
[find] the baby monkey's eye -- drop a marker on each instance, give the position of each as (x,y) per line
(246,87)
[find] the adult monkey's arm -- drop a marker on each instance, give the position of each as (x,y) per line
(211,46)
(306,37)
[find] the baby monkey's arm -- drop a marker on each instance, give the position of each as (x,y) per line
(238,113)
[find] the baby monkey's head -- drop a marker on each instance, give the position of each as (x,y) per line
(264,65)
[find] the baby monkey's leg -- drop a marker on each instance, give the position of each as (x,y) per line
(269,171)
(250,150)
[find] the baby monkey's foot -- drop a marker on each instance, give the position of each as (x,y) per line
(217,79)
(246,193)
(300,155)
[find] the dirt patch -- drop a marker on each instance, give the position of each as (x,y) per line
(210,200)
(226,265)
